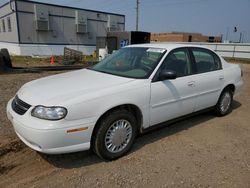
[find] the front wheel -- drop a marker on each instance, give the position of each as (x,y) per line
(224,104)
(115,135)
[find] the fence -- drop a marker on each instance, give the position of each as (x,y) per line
(234,50)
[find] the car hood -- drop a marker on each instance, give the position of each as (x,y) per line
(53,90)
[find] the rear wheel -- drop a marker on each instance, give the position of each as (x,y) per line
(224,104)
(115,135)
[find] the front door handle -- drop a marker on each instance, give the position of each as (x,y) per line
(191,84)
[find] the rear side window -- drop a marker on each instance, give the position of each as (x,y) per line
(206,60)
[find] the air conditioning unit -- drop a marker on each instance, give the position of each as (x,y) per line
(41,18)
(112,24)
(81,22)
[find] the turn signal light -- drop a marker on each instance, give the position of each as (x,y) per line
(77,130)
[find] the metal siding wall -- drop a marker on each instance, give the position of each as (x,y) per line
(62,24)
(7,36)
(26,28)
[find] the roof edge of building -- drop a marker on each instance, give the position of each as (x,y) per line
(63,6)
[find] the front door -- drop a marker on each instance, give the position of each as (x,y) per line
(173,98)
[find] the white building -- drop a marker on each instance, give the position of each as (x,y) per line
(34,28)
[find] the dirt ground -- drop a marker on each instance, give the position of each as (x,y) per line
(202,151)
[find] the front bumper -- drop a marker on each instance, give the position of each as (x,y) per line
(38,135)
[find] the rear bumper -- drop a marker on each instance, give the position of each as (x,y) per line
(51,141)
(238,86)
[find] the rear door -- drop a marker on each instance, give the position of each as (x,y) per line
(209,77)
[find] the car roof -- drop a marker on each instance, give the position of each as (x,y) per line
(167,46)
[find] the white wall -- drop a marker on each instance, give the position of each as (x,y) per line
(13,48)
(44,50)
(238,50)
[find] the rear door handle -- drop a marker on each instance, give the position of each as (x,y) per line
(191,83)
(221,77)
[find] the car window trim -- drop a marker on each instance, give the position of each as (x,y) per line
(209,52)
(155,77)
(145,77)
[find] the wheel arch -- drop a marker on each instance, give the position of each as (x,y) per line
(222,112)
(134,109)
(229,86)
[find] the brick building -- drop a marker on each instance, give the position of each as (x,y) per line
(183,37)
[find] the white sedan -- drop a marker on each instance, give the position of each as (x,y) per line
(104,107)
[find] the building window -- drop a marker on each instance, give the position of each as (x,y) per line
(9,24)
(3,25)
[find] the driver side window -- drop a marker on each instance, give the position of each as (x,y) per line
(178,61)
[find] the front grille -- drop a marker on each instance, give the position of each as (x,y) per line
(19,106)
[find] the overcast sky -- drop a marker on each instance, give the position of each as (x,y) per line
(209,17)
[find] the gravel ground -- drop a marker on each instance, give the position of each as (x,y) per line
(202,151)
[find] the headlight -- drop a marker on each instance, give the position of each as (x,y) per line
(49,113)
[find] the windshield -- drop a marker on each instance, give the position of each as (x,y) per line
(132,62)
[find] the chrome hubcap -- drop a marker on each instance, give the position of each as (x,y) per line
(118,136)
(225,102)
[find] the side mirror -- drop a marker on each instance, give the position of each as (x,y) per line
(167,75)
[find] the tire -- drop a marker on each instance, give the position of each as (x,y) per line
(6,57)
(115,135)
(224,104)
(2,68)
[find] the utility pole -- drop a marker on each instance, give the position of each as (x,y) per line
(240,37)
(137,15)
(227,33)
(243,34)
